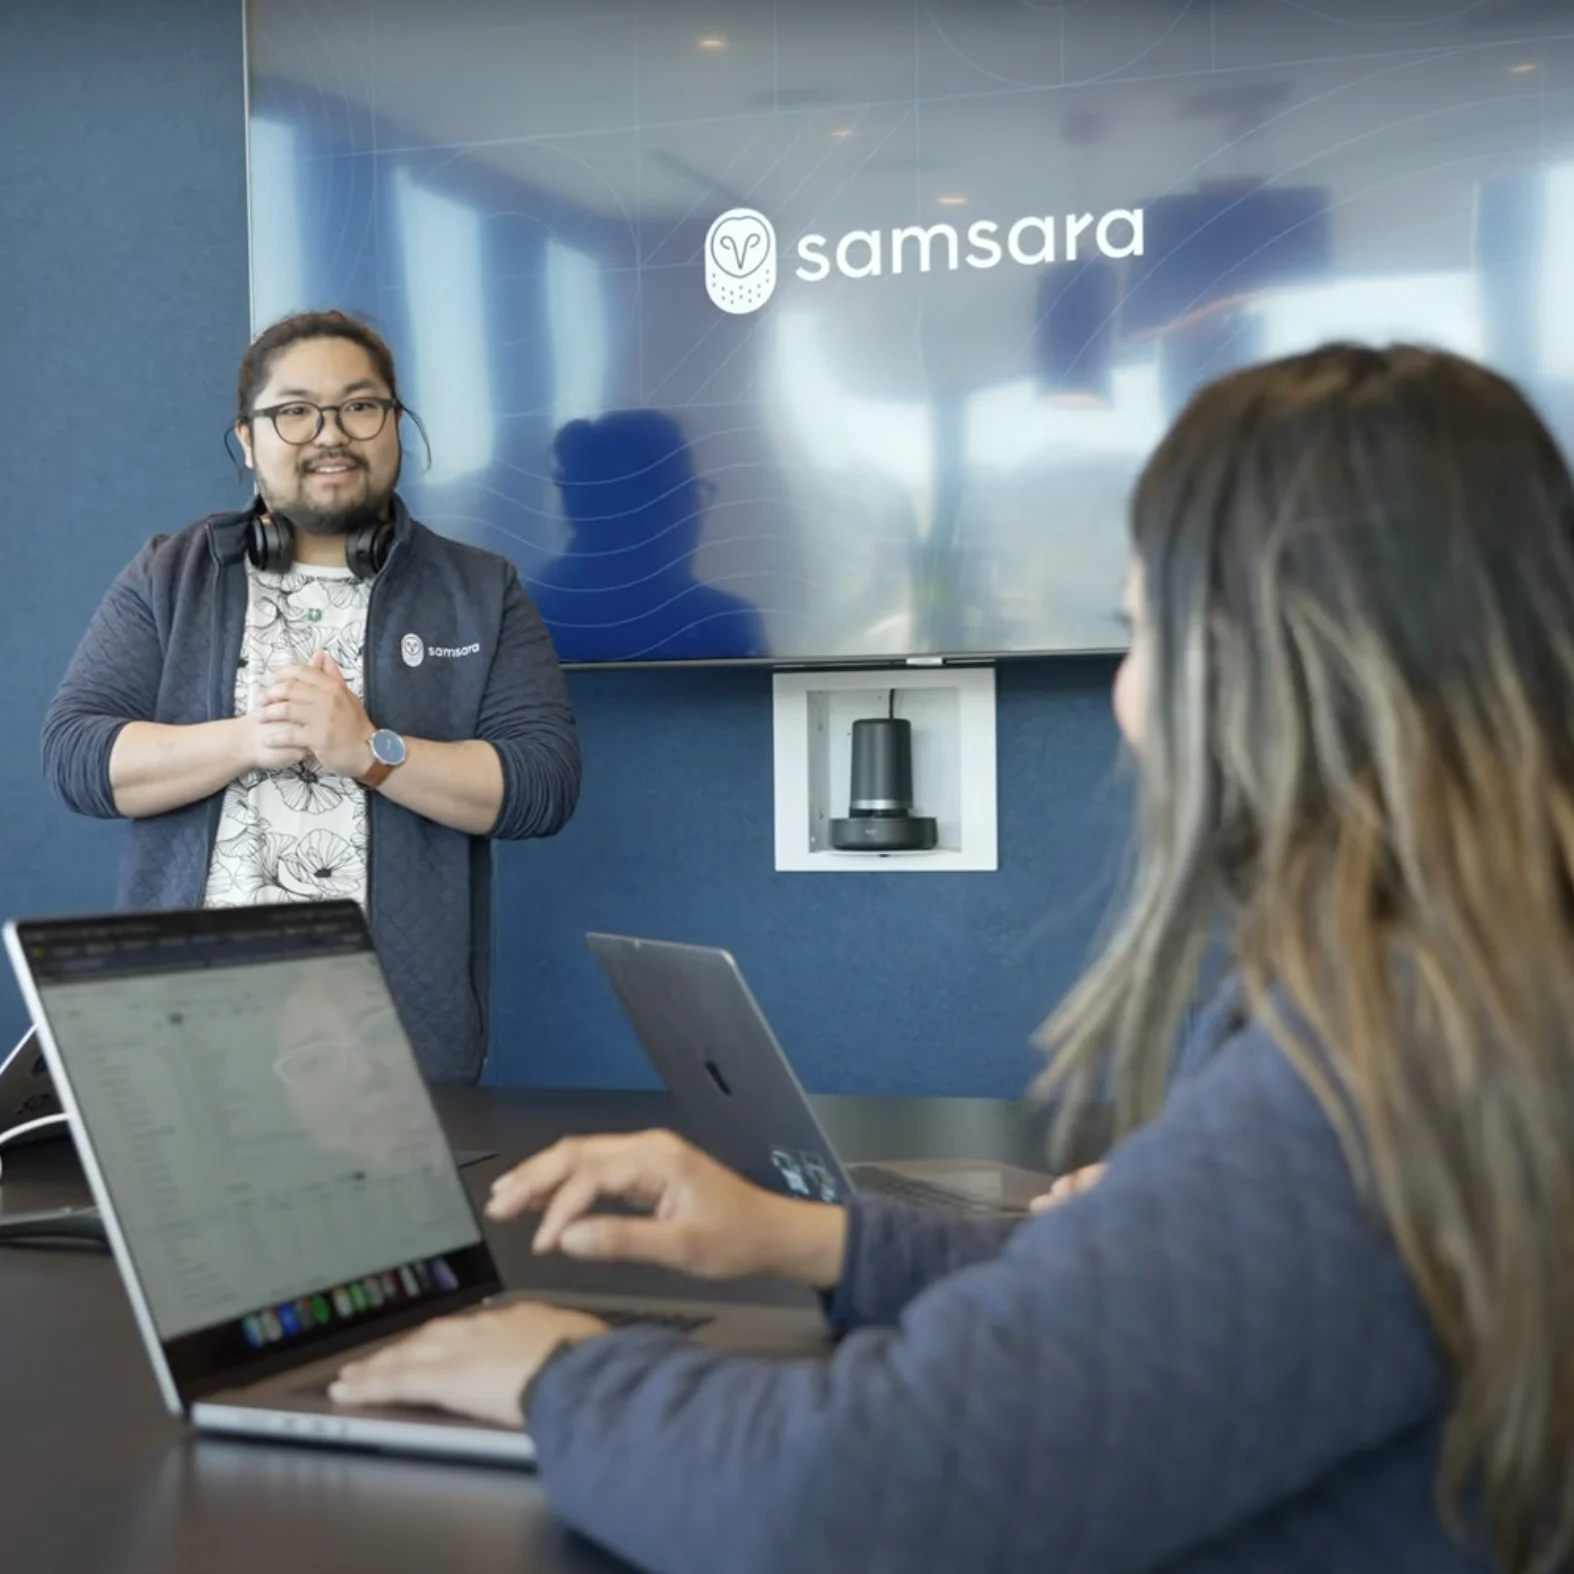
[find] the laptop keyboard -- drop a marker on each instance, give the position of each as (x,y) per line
(613,1317)
(908,1188)
(633,1317)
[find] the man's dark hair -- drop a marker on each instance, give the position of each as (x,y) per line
(257,363)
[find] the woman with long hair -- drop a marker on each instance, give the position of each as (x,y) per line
(1318,1313)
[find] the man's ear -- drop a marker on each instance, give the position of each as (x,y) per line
(243,437)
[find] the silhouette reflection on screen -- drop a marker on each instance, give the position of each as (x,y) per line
(351,1082)
(625,587)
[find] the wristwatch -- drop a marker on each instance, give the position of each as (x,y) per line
(388,752)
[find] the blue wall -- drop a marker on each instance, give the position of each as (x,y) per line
(123,311)
(907,983)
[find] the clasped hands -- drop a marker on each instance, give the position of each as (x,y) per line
(310,712)
(699,1218)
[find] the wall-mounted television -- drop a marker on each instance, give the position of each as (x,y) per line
(836,331)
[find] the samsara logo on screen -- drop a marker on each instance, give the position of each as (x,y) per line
(740,261)
(741,265)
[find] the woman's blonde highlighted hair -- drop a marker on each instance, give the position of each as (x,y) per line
(1359,758)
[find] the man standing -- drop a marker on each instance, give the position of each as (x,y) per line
(319,697)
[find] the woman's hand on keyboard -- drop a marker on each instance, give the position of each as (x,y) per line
(475,1364)
(702,1218)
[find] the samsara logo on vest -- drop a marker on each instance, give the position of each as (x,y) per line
(740,250)
(415,650)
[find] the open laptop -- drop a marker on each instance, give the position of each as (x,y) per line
(740,1100)
(273,1179)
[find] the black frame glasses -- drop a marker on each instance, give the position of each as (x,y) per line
(368,402)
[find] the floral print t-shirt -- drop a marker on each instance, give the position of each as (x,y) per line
(297,834)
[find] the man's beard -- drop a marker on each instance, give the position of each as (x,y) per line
(334,521)
(339,521)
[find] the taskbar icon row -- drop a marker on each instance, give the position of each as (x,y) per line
(406,1284)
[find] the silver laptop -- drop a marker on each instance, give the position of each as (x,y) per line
(273,1178)
(738,1096)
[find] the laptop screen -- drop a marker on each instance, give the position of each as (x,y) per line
(260,1124)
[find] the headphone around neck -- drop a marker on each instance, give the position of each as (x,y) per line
(270,545)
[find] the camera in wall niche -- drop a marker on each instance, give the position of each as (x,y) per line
(885,772)
(880,817)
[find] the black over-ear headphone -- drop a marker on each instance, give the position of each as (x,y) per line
(270,544)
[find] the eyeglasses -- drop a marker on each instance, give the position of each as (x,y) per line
(299,423)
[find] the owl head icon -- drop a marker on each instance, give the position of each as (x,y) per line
(740,261)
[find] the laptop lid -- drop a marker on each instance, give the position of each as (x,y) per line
(274,1181)
(736,1091)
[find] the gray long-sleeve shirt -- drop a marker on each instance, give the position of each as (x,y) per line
(454,651)
(1212,1361)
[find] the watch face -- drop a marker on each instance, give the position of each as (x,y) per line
(388,747)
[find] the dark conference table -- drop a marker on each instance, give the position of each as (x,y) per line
(96,1477)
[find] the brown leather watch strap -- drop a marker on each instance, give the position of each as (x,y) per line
(379,773)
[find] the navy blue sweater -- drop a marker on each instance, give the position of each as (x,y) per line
(164,645)
(1212,1361)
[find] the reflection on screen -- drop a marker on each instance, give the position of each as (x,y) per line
(263,1131)
(872,276)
